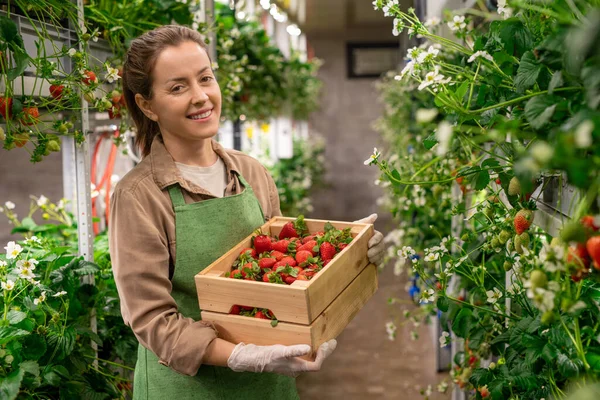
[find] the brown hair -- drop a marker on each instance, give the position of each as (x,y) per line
(137,74)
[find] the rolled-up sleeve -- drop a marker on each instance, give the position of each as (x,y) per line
(140,257)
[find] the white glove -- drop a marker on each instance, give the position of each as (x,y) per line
(376,246)
(278,358)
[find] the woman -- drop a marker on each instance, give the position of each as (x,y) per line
(187,203)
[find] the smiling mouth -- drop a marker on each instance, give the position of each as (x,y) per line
(201,116)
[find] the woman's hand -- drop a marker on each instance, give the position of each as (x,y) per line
(376,246)
(278,358)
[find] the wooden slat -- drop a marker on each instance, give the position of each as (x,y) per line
(220,294)
(236,329)
(338,274)
(344,308)
(333,320)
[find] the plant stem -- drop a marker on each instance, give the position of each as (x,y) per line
(473,85)
(519,99)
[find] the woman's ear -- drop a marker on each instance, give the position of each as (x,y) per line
(144,105)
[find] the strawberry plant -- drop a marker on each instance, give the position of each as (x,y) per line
(483,119)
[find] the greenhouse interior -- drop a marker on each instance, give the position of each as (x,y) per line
(182,179)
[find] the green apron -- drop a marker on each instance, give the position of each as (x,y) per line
(205,231)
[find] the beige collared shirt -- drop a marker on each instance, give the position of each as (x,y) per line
(142,248)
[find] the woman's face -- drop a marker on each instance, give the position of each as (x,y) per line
(186,100)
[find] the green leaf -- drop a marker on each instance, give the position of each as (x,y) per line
(528,72)
(566,366)
(8,333)
(9,386)
(539,110)
(34,347)
(28,223)
(482,178)
(593,359)
(430,141)
(549,352)
(462,323)
(31,367)
(52,378)
(556,81)
(496,387)
(396,175)
(9,33)
(14,317)
(481,376)
(516,37)
(443,304)
(462,90)
(86,268)
(61,343)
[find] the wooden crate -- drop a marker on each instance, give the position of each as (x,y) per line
(328,325)
(301,302)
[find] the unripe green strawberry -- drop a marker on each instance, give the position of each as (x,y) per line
(573,231)
(514,187)
(538,279)
(523,221)
(507,266)
(489,212)
(465,237)
(504,236)
(495,243)
(511,246)
(53,145)
(492,366)
(521,241)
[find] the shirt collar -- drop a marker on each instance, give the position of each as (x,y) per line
(166,173)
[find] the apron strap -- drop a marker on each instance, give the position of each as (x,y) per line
(244,183)
(176,195)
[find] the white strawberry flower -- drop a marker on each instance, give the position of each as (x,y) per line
(480,53)
(72,52)
(398,27)
(9,205)
(506,12)
(42,201)
(26,273)
(443,134)
(40,299)
(8,285)
(433,21)
(413,53)
(33,239)
(583,134)
(458,23)
(112,74)
(493,295)
(12,250)
(27,264)
(391,328)
(373,158)
(428,55)
(428,296)
(424,115)
(433,78)
(59,294)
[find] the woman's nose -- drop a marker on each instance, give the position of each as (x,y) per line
(199,95)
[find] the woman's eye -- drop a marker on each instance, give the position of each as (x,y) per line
(207,78)
(176,88)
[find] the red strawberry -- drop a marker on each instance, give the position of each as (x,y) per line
(56,91)
(279,264)
(6,104)
(293,228)
(247,308)
(301,277)
(278,255)
(523,221)
(498,181)
(237,274)
(114,112)
(117,98)
(30,116)
(281,246)
(593,248)
(342,246)
(89,77)
(266,262)
(262,244)
(261,315)
(272,277)
(327,251)
(578,256)
(588,221)
(308,238)
(308,246)
(251,250)
(326,262)
(288,261)
(235,310)
(308,273)
(289,279)
(302,256)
